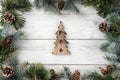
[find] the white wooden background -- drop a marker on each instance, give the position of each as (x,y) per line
(83,36)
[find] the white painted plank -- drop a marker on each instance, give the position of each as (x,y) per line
(82,52)
(76,26)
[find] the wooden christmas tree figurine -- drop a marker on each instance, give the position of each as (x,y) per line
(61,43)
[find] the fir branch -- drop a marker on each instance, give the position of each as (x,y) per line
(26,6)
(38,3)
(68,73)
(70,5)
(17,24)
(13,6)
(104,46)
(116,73)
(18,74)
(6,51)
(113,46)
(101,6)
(96,76)
(19,5)
(50,5)
(37,72)
(114,30)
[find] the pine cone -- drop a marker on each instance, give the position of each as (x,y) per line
(103,27)
(7,41)
(104,72)
(53,73)
(8,71)
(61,4)
(76,75)
(107,71)
(109,68)
(9,18)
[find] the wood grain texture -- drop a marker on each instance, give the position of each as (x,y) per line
(77,27)
(82,52)
(61,47)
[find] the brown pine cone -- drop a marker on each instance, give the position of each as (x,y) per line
(76,75)
(61,4)
(109,68)
(103,27)
(104,72)
(9,18)
(8,71)
(53,73)
(107,71)
(7,41)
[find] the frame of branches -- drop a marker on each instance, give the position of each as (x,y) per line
(12,16)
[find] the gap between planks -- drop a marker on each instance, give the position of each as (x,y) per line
(55,39)
(55,14)
(77,64)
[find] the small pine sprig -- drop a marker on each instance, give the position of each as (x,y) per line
(101,6)
(113,46)
(39,72)
(114,30)
(6,52)
(19,5)
(36,72)
(7,45)
(10,15)
(6,49)
(17,23)
(68,73)
(97,76)
(58,5)
(47,5)
(71,5)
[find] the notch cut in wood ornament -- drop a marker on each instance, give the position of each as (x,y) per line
(61,42)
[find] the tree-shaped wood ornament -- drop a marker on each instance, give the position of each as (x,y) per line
(61,42)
